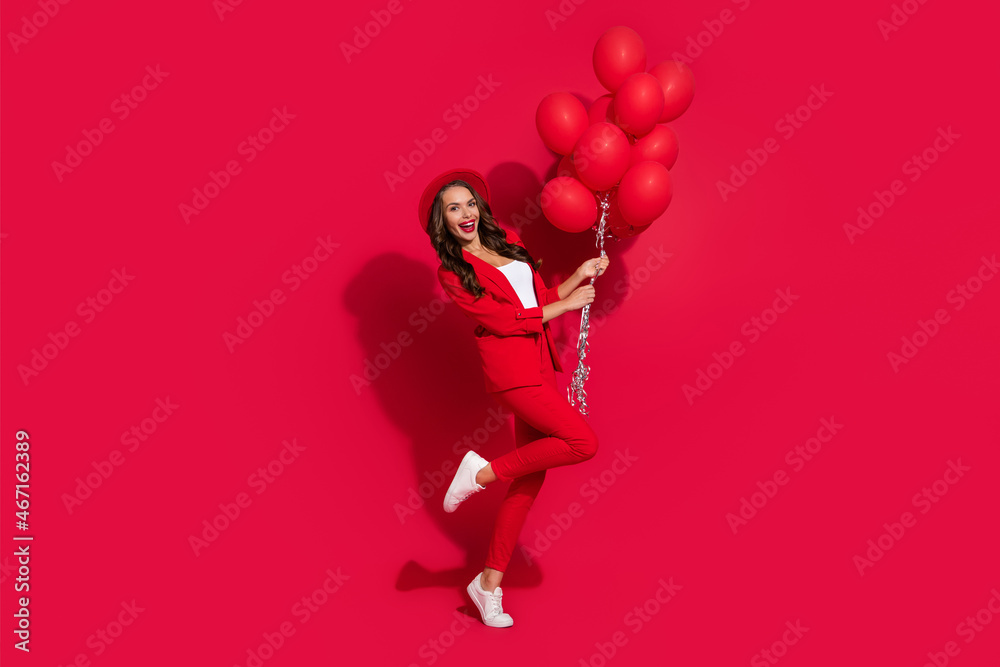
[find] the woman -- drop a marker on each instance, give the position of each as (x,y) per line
(489,273)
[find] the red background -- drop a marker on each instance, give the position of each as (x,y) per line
(365,451)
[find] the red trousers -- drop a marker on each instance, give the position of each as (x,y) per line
(548,432)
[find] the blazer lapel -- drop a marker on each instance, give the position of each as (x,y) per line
(486,270)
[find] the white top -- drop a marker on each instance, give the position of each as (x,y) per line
(523,282)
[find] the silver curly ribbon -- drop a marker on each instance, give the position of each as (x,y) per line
(575,389)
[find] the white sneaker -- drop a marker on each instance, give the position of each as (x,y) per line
(464,483)
(490,605)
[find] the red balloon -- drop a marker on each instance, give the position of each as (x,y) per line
(659,145)
(600,110)
(638,104)
(677,81)
(644,193)
(565,167)
(560,119)
(601,156)
(618,54)
(568,204)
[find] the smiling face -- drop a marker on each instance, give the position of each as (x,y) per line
(461,215)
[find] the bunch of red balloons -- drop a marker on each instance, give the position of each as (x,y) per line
(618,151)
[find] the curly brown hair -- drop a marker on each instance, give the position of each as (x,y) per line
(491,235)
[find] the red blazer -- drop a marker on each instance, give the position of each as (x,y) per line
(509,336)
